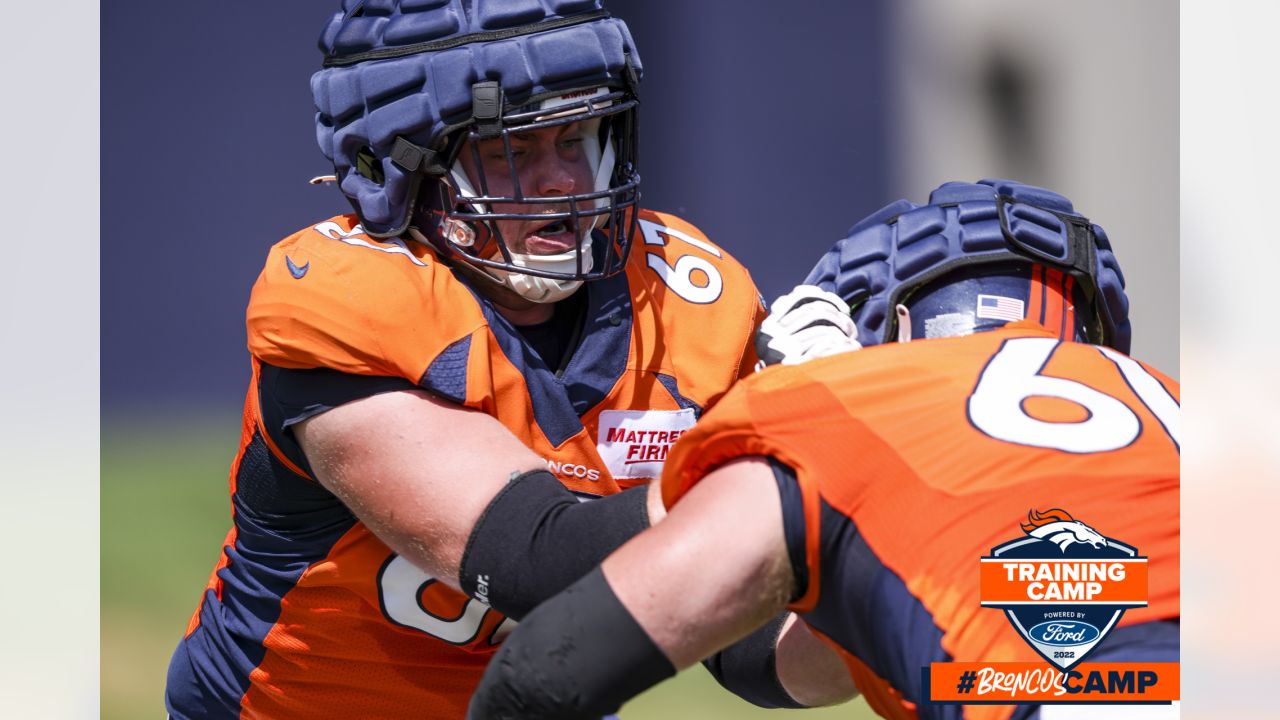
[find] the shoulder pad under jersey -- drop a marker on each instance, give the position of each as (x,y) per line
(689,265)
(331,296)
(705,300)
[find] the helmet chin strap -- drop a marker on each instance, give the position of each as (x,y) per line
(539,289)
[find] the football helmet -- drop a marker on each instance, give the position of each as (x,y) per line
(407,83)
(975,257)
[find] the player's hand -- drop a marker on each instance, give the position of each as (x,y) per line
(804,324)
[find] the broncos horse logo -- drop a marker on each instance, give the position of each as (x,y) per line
(1058,527)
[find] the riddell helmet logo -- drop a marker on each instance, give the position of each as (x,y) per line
(1063,585)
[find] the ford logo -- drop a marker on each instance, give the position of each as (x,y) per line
(1063,633)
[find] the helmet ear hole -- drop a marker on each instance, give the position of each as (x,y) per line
(367,165)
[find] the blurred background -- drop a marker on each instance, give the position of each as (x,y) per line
(772,126)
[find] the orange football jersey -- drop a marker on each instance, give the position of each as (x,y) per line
(914,460)
(308,614)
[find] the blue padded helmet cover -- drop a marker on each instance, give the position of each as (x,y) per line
(903,247)
(439,49)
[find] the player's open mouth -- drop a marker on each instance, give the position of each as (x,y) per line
(554,237)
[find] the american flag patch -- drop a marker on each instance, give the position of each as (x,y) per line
(1000,308)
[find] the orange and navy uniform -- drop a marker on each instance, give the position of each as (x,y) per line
(307,614)
(911,461)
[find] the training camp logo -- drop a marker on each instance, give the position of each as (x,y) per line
(1063,585)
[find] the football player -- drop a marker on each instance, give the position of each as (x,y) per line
(861,489)
(439,378)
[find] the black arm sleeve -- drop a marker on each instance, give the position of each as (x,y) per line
(748,668)
(578,656)
(536,538)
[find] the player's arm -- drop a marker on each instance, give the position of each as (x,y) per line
(455,493)
(713,570)
(716,568)
(809,670)
(781,664)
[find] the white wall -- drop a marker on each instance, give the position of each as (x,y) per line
(1089,109)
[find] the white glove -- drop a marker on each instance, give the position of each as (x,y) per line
(804,324)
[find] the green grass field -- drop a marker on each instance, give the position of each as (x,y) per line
(165,512)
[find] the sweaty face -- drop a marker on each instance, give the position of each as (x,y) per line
(548,162)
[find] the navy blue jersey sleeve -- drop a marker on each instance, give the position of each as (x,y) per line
(793,524)
(287,397)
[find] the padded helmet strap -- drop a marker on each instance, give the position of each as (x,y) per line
(631,75)
(1080,257)
(413,157)
(486,108)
